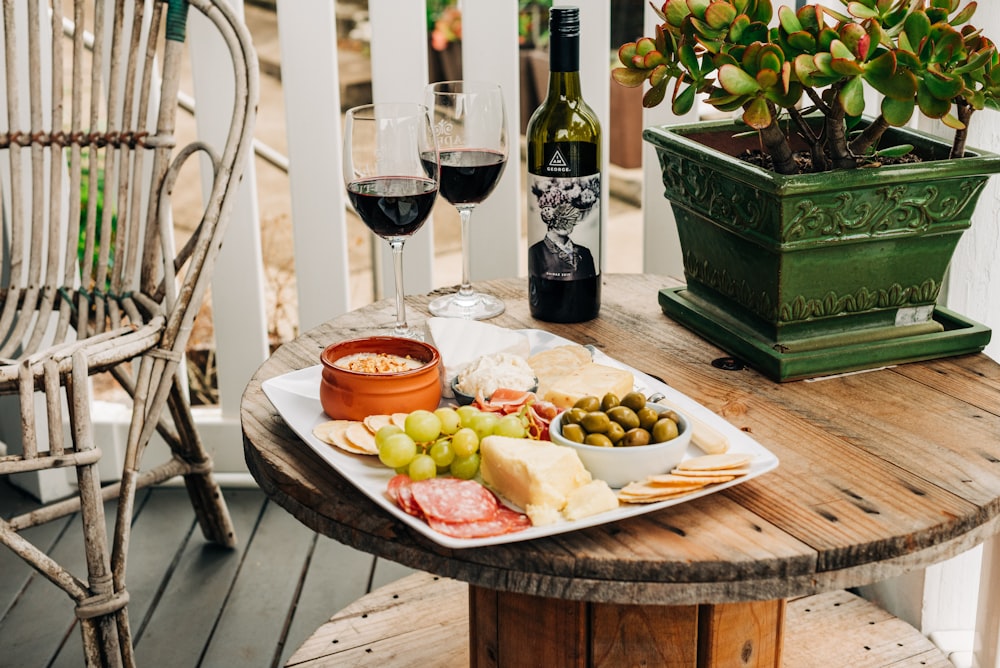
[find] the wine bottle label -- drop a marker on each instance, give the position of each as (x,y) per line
(564,213)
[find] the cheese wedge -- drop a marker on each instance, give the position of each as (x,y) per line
(591,379)
(538,476)
(594,497)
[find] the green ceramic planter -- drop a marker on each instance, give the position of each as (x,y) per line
(823,273)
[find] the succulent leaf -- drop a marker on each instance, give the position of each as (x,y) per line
(897,112)
(852,96)
(628,77)
(757,114)
(737,82)
(720,15)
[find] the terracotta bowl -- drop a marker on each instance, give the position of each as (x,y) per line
(620,466)
(354,395)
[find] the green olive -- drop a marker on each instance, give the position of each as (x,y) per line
(636,436)
(634,400)
(600,440)
(588,404)
(665,429)
(595,422)
(647,417)
(615,433)
(609,401)
(573,416)
(668,413)
(624,416)
(573,432)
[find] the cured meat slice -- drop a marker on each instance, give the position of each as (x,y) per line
(454,500)
(399,490)
(503,522)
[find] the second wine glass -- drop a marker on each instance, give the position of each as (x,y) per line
(470,124)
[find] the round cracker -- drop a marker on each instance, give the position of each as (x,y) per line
(358,436)
(717,462)
(324,430)
(399,419)
(376,422)
(334,433)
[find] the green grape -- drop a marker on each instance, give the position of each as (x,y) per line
(510,425)
(465,442)
(423,426)
(422,467)
(385,432)
(442,453)
(465,467)
(466,413)
(398,450)
(484,423)
(450,420)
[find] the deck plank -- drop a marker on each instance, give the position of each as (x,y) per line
(263,595)
(181,626)
(336,576)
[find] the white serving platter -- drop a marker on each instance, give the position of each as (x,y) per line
(296,397)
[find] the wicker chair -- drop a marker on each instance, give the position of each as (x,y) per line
(90,280)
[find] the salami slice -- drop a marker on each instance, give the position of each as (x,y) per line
(503,522)
(399,490)
(454,500)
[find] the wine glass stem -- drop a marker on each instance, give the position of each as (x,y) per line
(396,245)
(465,215)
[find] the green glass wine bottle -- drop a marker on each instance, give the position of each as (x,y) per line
(564,187)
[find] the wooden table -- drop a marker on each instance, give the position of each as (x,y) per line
(881,473)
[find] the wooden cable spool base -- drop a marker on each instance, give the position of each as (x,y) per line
(423,620)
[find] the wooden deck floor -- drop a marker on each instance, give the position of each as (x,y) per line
(192,604)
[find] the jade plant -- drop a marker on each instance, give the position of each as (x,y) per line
(922,56)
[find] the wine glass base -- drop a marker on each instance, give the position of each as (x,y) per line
(477,306)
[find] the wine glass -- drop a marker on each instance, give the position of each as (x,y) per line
(392,172)
(471,128)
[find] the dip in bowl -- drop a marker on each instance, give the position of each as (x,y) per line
(621,465)
(379,375)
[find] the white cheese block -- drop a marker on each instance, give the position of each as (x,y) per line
(538,476)
(591,379)
(594,497)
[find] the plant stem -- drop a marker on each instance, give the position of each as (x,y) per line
(961,136)
(777,146)
(871,134)
(836,133)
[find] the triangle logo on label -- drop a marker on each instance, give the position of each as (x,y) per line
(557,160)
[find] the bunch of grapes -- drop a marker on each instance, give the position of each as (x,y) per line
(443,441)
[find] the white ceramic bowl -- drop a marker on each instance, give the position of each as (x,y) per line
(622,465)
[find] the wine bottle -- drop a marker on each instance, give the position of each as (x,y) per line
(564,187)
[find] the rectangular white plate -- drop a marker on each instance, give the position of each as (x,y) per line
(296,397)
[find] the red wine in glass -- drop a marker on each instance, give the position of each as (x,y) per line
(470,124)
(392,206)
(469,175)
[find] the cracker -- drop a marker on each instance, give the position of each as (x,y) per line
(653,495)
(358,436)
(712,473)
(646,489)
(717,462)
(709,479)
(399,419)
(671,480)
(332,432)
(376,422)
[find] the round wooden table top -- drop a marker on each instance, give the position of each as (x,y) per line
(880,472)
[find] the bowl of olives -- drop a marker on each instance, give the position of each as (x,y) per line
(620,440)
